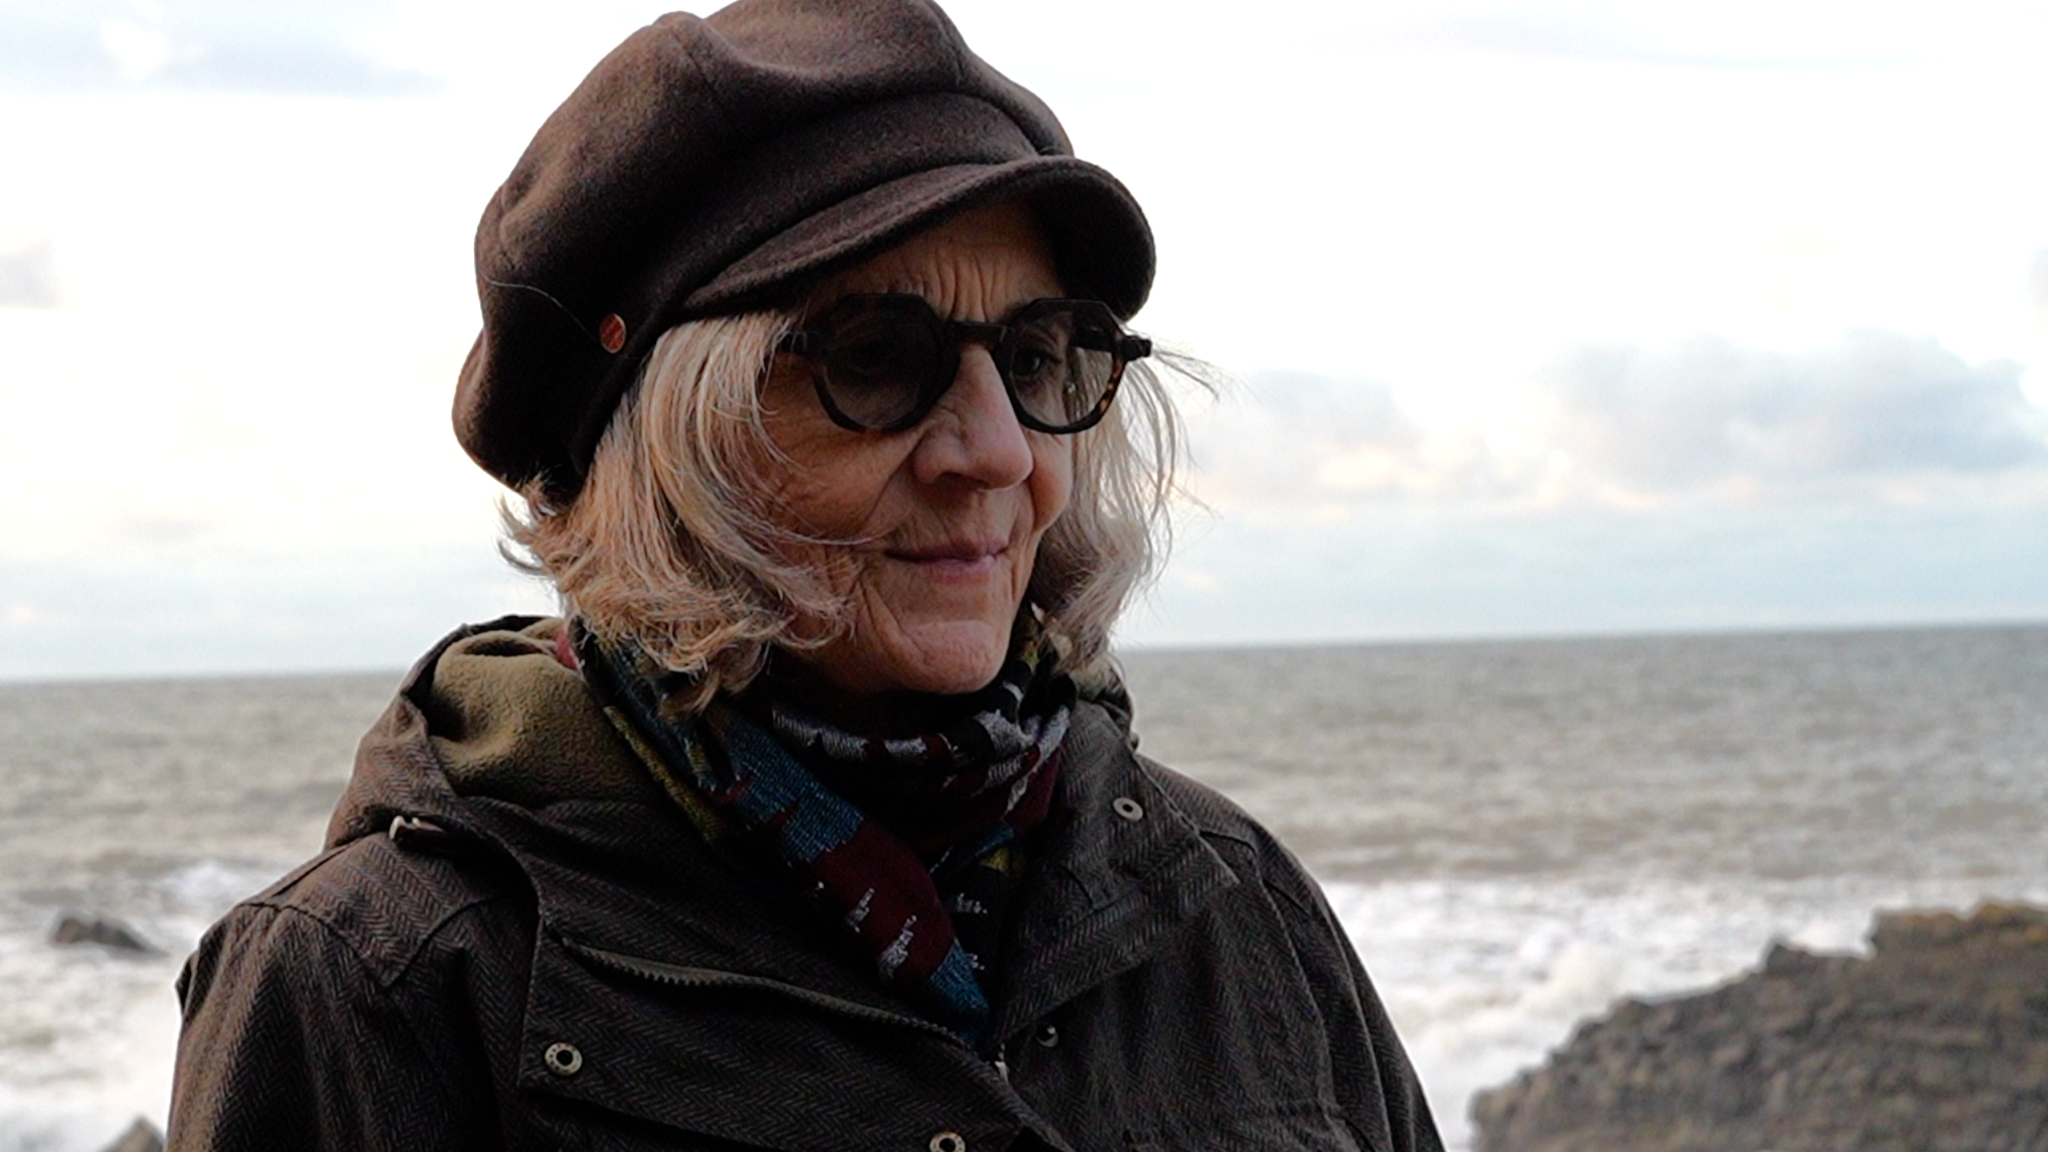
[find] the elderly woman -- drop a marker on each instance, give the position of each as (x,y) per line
(816,823)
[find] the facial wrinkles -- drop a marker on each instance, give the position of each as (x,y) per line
(962,279)
(966,477)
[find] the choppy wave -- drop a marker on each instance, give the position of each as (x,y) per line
(90,1034)
(1484,978)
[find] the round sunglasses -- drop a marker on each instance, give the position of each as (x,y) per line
(884,360)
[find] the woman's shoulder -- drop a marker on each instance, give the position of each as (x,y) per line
(1243,842)
(1216,814)
(378,902)
(374,972)
(401,873)
(1269,972)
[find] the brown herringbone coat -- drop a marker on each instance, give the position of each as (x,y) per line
(515,941)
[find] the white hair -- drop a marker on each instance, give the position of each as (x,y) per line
(669,543)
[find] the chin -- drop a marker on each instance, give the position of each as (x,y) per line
(918,643)
(939,658)
(952,673)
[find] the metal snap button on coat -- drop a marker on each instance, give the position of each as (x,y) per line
(1128,808)
(563,1059)
(611,332)
(1048,1036)
(949,1142)
(414,832)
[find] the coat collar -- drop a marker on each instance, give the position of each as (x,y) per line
(493,739)
(1124,869)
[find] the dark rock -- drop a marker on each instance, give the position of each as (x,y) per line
(1938,1042)
(106,932)
(141,1136)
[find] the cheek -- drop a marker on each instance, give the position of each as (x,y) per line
(831,497)
(824,483)
(1052,477)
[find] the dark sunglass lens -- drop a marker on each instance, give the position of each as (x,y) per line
(877,362)
(1062,361)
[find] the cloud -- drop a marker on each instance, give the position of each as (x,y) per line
(1876,404)
(1880,417)
(281,46)
(157,529)
(1692,33)
(2037,281)
(1316,442)
(138,609)
(1502,571)
(28,278)
(1592,38)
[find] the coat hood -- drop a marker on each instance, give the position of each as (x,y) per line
(488,714)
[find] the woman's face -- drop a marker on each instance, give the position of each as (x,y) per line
(943,518)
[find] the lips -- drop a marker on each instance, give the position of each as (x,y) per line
(961,551)
(953,559)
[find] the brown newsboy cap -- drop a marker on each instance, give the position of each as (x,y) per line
(712,165)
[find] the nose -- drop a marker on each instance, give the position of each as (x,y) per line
(973,434)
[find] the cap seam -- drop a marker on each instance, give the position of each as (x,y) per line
(689,55)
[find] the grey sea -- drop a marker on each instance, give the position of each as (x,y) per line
(1514,833)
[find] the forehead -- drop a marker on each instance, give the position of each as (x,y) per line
(976,266)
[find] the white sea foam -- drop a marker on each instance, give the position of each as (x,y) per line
(90,1034)
(1484,978)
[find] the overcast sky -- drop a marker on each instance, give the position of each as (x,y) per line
(1550,318)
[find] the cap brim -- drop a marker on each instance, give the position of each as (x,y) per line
(1099,236)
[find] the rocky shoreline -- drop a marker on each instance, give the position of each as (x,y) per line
(1936,1042)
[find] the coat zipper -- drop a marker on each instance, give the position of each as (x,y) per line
(683,976)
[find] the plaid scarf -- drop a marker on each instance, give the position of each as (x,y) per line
(908,844)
